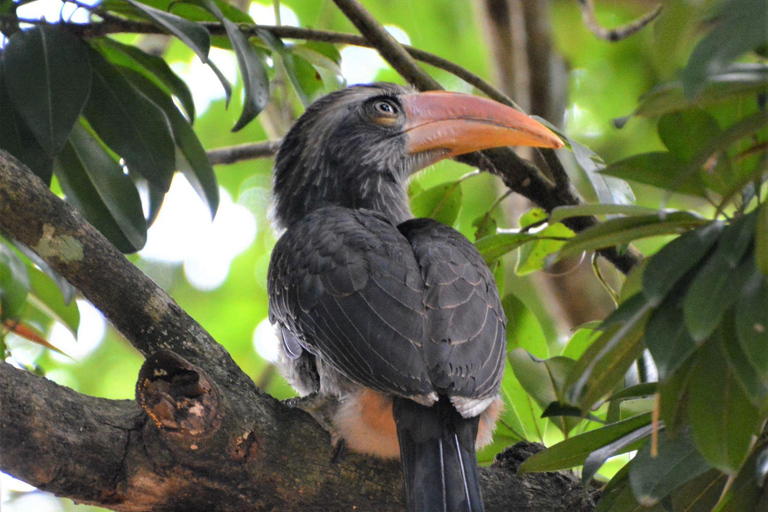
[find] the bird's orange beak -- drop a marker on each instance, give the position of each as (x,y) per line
(462,123)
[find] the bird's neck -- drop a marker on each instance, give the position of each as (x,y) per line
(359,189)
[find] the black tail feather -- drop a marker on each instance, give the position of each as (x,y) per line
(437,448)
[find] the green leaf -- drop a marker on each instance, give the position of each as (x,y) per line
(717,285)
(96,185)
(609,190)
(191,158)
(752,379)
(48,79)
(523,328)
(45,295)
(535,255)
(520,412)
(493,247)
(627,443)
(761,239)
(685,131)
(738,80)
(289,64)
(666,337)
(587,210)
(151,66)
(544,380)
(67,290)
(719,48)
(580,342)
(130,124)
(654,477)
(442,203)
(673,398)
(192,34)
(575,450)
(14,283)
(748,488)
(485,225)
(701,493)
(676,259)
(224,82)
(661,170)
(724,421)
(532,216)
(16,138)
(620,231)
(752,323)
(606,361)
(252,72)
(636,393)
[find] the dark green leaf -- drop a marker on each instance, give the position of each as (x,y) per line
(14,283)
(16,138)
(724,420)
(717,285)
(685,131)
(700,494)
(96,185)
(441,203)
(130,124)
(719,48)
(623,230)
(752,323)
(747,488)
(48,79)
(45,295)
(495,246)
(286,58)
(191,158)
(752,379)
(633,394)
(744,79)
(224,82)
(654,478)
(676,258)
(597,458)
(673,398)
(761,239)
(606,361)
(659,170)
(575,450)
(666,337)
(192,34)
(151,66)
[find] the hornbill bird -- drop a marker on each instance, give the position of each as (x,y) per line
(398,317)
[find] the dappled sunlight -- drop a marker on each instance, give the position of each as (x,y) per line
(90,334)
(265,341)
(264,14)
(184,233)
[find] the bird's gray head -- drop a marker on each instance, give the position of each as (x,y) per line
(357,147)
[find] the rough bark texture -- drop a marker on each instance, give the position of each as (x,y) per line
(201,435)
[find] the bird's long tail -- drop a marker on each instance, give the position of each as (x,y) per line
(437,449)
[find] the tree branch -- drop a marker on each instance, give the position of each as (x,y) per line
(619,33)
(233,154)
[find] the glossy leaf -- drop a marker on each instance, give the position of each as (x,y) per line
(192,34)
(48,79)
(752,323)
(677,258)
(624,444)
(16,138)
(673,398)
(151,66)
(717,284)
(719,48)
(441,203)
(747,489)
(700,494)
(580,342)
(661,170)
(584,210)
(654,477)
(609,190)
(620,231)
(753,380)
(45,295)
(289,64)
(96,185)
(724,421)
(130,124)
(495,246)
(608,358)
(575,450)
(191,158)
(637,393)
(14,283)
(685,131)
(536,255)
(667,338)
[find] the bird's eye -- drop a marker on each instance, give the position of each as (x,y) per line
(384,112)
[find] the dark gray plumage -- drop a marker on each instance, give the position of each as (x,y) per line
(367,298)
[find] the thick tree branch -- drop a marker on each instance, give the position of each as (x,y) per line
(204,438)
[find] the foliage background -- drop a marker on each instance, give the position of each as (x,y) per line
(604,82)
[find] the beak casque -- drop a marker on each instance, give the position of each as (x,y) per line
(461,123)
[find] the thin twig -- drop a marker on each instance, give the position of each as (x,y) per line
(234,154)
(618,33)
